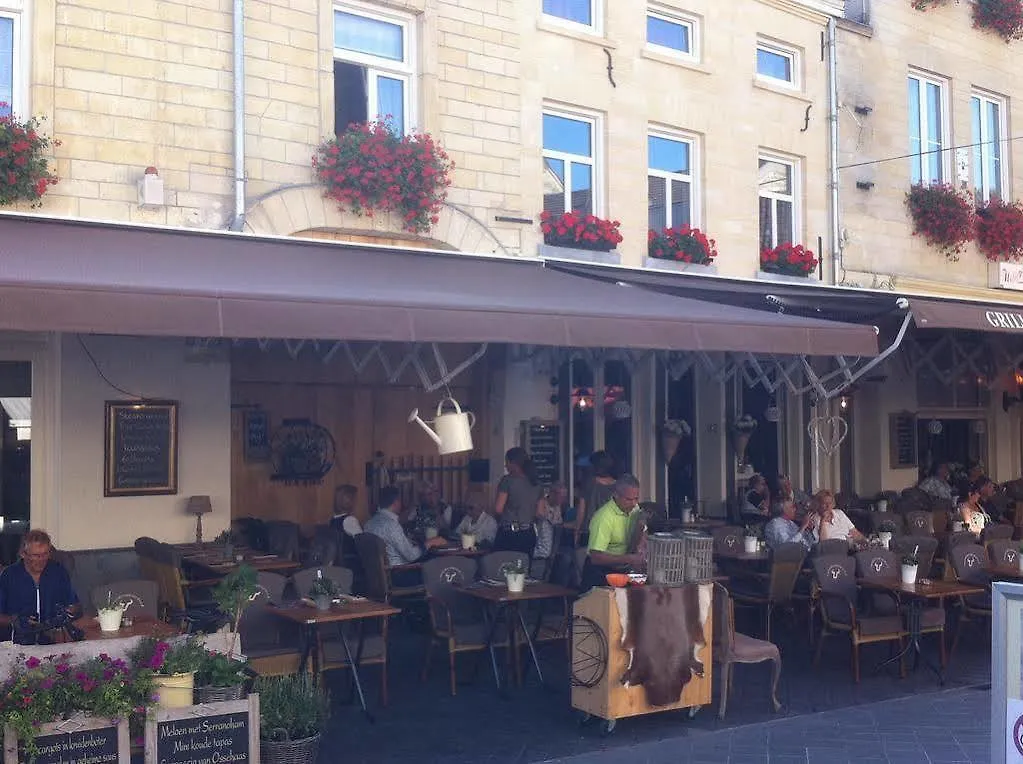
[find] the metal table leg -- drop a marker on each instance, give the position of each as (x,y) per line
(529,641)
(354,665)
(308,637)
(492,617)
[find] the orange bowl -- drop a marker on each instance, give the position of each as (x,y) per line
(617,580)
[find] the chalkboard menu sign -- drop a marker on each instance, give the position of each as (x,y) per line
(542,439)
(902,448)
(141,453)
(257,436)
(212,732)
(79,739)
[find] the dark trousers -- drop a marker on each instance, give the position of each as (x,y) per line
(515,541)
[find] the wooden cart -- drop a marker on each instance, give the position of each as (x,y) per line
(598,663)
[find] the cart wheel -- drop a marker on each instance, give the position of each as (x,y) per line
(609,726)
(589,652)
(693,711)
(584,718)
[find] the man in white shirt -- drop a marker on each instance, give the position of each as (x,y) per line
(479,523)
(832,522)
(386,524)
(937,483)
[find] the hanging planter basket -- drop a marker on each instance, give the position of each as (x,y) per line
(943,215)
(999,228)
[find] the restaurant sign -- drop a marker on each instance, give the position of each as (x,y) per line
(1006,276)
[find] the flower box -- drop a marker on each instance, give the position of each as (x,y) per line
(782,278)
(696,269)
(999,230)
(557,252)
(787,260)
(943,215)
(78,738)
(24,168)
(577,230)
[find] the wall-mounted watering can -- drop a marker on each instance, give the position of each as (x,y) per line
(450,429)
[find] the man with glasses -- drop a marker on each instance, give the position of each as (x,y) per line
(36,595)
(611,531)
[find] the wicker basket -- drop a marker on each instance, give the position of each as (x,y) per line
(665,559)
(218,694)
(302,751)
(699,556)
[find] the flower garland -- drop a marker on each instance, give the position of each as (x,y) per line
(24,169)
(943,215)
(369,167)
(790,259)
(999,228)
(684,244)
(574,229)
(1003,17)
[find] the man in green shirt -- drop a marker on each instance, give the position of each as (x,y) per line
(610,533)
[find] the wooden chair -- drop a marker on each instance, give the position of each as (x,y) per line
(919,523)
(493,566)
(837,580)
(186,602)
(774,589)
(373,556)
(272,645)
(1003,552)
(456,621)
(970,566)
(148,591)
(731,647)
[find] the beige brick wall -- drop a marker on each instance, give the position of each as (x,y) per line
(152,86)
(873,71)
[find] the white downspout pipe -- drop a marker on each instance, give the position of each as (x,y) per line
(238,38)
(837,269)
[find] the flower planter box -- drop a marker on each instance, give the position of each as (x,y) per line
(696,269)
(782,278)
(582,255)
(76,739)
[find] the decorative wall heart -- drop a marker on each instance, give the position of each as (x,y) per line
(827,433)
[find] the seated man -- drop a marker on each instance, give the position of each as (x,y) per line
(611,530)
(784,530)
(401,550)
(36,595)
(833,523)
(479,523)
(431,512)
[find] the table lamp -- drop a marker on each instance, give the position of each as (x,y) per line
(198,506)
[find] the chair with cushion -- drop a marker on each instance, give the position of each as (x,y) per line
(187,602)
(831,547)
(731,647)
(272,645)
(773,589)
(146,590)
(1003,552)
(377,573)
(836,577)
(970,566)
(495,565)
(283,539)
(923,547)
(457,621)
(996,532)
(321,549)
(727,539)
(919,523)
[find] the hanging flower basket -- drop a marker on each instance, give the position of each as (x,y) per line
(788,259)
(684,244)
(370,168)
(999,227)
(24,167)
(573,229)
(1003,17)
(943,215)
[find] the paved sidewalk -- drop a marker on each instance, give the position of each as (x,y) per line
(950,726)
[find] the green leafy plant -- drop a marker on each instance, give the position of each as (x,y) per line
(290,707)
(24,168)
(224,537)
(235,592)
(910,559)
(753,531)
(220,670)
(164,658)
(323,587)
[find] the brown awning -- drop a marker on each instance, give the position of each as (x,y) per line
(79,276)
(972,316)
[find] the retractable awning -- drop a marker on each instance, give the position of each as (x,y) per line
(81,276)
(972,316)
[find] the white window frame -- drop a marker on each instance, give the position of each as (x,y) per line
(596,14)
(794,198)
(944,153)
(673,16)
(693,178)
(16,10)
(377,67)
(595,162)
(986,147)
(778,49)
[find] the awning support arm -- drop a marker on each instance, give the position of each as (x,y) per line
(873,363)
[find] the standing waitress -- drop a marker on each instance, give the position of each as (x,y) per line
(518,495)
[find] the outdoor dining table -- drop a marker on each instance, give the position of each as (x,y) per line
(508,604)
(350,609)
(760,556)
(916,596)
(1010,572)
(214,563)
(141,626)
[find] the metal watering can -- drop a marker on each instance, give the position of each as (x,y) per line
(451,429)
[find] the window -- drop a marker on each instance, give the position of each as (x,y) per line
(776,183)
(581,12)
(987,118)
(671,32)
(373,68)
(569,165)
(777,64)
(10,66)
(926,130)
(670,181)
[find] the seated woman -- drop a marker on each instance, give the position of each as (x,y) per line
(833,523)
(756,506)
(970,508)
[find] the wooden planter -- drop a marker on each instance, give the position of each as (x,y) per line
(582,255)
(697,269)
(78,738)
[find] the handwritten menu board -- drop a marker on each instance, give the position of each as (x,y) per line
(213,732)
(257,436)
(141,453)
(542,439)
(80,739)
(902,447)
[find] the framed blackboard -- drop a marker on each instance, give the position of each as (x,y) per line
(79,739)
(256,432)
(542,439)
(141,450)
(219,732)
(902,451)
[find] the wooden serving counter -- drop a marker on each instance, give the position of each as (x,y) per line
(597,631)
